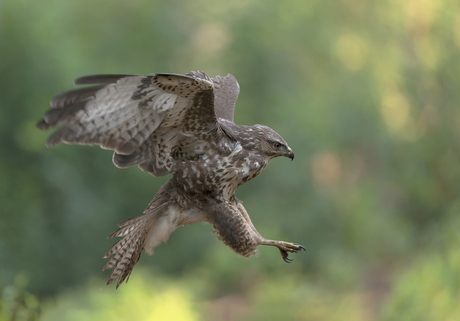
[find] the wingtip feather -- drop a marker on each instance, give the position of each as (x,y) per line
(100,79)
(42,125)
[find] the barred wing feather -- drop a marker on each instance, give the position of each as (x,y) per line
(136,116)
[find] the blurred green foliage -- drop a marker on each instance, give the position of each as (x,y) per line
(430,288)
(365,92)
(18,304)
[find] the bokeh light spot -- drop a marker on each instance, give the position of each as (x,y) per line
(326,170)
(352,51)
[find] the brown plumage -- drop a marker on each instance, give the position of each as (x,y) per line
(172,124)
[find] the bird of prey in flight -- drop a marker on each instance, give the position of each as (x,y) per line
(172,124)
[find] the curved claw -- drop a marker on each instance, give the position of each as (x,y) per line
(301,247)
(286,247)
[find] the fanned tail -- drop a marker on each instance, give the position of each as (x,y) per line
(127,251)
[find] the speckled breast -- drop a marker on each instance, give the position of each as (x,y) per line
(219,175)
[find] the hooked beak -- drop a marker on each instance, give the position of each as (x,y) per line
(290,154)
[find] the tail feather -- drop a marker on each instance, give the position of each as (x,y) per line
(128,226)
(125,264)
(127,251)
(120,247)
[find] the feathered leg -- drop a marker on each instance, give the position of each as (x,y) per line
(232,228)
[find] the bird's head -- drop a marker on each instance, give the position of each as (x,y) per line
(270,143)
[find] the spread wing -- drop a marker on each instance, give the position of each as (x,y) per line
(147,120)
(225,96)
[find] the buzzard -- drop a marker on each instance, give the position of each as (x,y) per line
(172,124)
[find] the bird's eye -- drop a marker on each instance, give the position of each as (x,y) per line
(276,145)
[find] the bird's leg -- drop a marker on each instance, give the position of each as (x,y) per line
(284,247)
(245,214)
